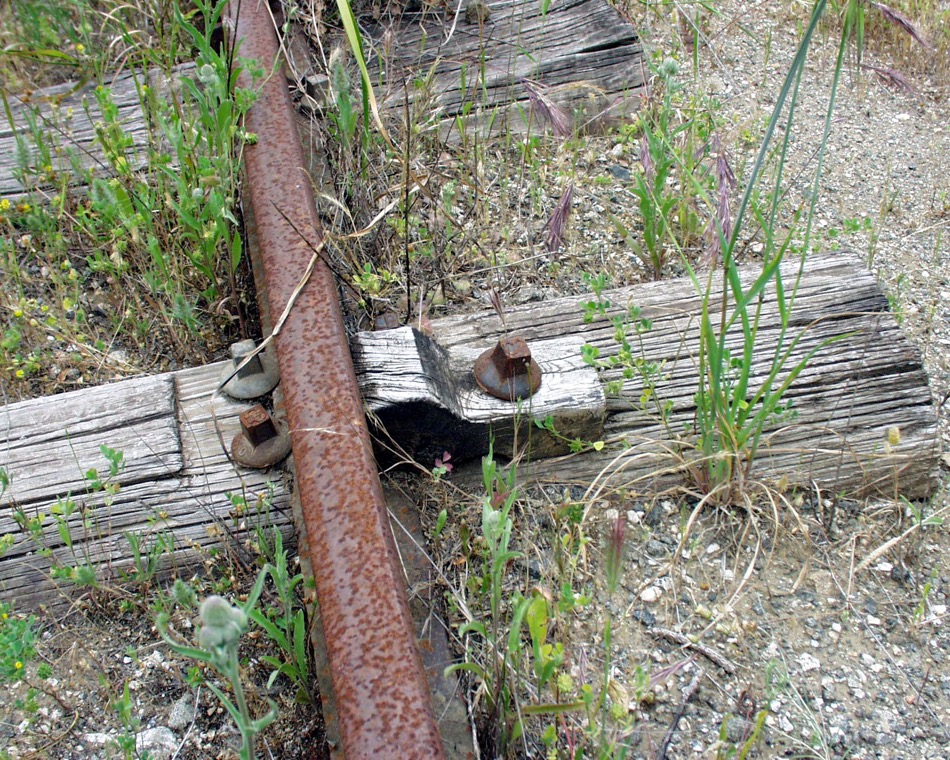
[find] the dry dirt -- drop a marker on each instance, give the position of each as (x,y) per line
(848,664)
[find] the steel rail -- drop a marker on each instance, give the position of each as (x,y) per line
(379,686)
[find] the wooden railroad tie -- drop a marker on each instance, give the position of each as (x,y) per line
(862,420)
(864,424)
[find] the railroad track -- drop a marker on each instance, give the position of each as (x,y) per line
(377,682)
(379,687)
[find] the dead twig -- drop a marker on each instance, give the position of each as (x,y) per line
(710,654)
(688,693)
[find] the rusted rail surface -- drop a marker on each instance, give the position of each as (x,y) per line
(379,686)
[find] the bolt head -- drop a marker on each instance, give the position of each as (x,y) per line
(257,425)
(511,357)
(259,376)
(508,371)
(262,442)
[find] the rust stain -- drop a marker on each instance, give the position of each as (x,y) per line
(378,682)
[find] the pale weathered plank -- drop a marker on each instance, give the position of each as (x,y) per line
(48,444)
(846,401)
(58,125)
(586,57)
(428,400)
(204,502)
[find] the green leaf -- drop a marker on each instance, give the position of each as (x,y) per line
(537,617)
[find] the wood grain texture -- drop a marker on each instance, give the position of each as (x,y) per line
(588,59)
(851,395)
(47,444)
(205,502)
(427,401)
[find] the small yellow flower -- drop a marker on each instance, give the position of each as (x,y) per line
(5,204)
(18,665)
(23,208)
(80,48)
(565,683)
(618,711)
(4,616)
(18,313)
(20,374)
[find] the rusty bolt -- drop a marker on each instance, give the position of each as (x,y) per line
(254,379)
(507,371)
(262,442)
(388,320)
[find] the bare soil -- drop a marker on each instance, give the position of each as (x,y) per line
(847,663)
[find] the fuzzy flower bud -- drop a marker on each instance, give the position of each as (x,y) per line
(222,623)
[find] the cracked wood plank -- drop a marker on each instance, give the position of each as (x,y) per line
(426,401)
(852,400)
(461,71)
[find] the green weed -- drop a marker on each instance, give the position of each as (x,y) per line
(285,625)
(222,626)
(152,252)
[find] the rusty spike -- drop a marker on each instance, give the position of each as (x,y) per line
(262,442)
(508,371)
(378,682)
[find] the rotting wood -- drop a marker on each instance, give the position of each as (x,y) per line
(191,501)
(66,115)
(586,57)
(430,402)
(850,403)
(48,444)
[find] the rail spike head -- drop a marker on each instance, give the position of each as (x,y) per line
(256,378)
(262,442)
(508,371)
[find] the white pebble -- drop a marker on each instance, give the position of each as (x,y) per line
(651,594)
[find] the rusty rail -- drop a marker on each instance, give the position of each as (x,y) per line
(379,686)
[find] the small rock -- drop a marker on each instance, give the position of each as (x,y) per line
(97,739)
(645,617)
(808,662)
(182,712)
(619,172)
(656,548)
(159,742)
(651,594)
(900,574)
(655,516)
